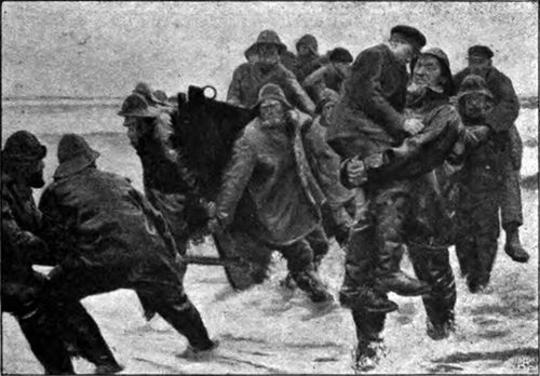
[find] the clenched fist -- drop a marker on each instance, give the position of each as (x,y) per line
(413,126)
(356,172)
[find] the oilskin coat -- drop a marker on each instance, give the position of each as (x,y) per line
(283,197)
(506,138)
(20,246)
(248,79)
(369,116)
(99,221)
(482,186)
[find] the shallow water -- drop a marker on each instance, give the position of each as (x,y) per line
(271,330)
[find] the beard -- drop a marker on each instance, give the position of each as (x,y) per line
(35,180)
(273,121)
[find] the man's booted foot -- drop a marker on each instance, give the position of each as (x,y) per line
(440,331)
(310,282)
(402,284)
(200,353)
(367,357)
(368,299)
(513,247)
(108,368)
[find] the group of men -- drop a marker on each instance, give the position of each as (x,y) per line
(381,159)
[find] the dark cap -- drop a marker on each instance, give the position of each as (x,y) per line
(340,55)
(483,51)
(74,154)
(410,35)
(473,84)
(23,146)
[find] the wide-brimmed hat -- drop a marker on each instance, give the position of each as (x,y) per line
(272,91)
(74,154)
(327,95)
(23,146)
(137,106)
(144,89)
(443,60)
(410,35)
(268,37)
(473,84)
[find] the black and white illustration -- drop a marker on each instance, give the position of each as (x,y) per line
(269,187)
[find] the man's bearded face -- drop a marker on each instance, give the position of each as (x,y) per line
(479,65)
(272,112)
(34,176)
(476,106)
(136,129)
(268,55)
(327,112)
(428,73)
(303,50)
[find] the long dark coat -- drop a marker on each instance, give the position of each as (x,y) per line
(503,116)
(369,116)
(98,220)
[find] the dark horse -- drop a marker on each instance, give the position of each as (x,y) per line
(205,132)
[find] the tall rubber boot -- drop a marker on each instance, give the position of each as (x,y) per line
(487,251)
(42,334)
(390,211)
(308,280)
(513,247)
(432,265)
(186,319)
(357,290)
(390,277)
(370,349)
(80,330)
(464,250)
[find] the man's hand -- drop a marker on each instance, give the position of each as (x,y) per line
(481,132)
(214,226)
(413,126)
(356,172)
(292,117)
(476,134)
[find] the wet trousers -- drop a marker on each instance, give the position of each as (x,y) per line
(480,200)
(160,287)
(21,297)
(376,243)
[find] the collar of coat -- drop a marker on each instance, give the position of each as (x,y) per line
(22,191)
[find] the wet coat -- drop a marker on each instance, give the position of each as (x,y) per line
(369,116)
(326,165)
(325,77)
(270,184)
(98,220)
(503,116)
(248,79)
(21,221)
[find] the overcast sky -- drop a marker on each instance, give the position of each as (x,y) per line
(103,48)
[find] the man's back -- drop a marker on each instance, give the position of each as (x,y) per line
(102,210)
